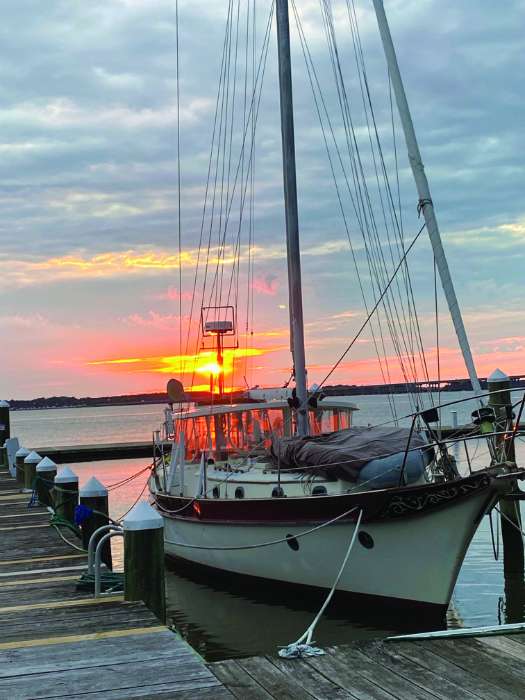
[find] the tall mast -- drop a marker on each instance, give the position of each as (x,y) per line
(425,200)
(292,222)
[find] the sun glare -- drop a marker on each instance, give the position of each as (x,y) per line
(184,367)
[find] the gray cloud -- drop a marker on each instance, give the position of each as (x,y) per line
(88,141)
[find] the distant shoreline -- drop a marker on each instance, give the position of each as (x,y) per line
(517,381)
(87,402)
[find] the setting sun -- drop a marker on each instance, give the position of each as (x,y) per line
(211,368)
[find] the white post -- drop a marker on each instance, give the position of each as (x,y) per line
(425,200)
(172,470)
(454,418)
(168,423)
(12,445)
(202,479)
(182,461)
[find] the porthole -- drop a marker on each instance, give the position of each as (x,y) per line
(365,539)
(319,491)
(277,492)
(239,492)
(216,492)
(292,542)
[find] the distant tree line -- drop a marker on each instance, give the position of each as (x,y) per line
(74,402)
(204,397)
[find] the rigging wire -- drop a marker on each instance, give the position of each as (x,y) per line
(436,312)
(214,209)
(376,257)
(320,102)
(179,220)
(365,322)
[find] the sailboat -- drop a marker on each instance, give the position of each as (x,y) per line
(279,488)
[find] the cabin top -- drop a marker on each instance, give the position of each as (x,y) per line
(327,403)
(244,428)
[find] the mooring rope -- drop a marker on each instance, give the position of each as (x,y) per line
(304,645)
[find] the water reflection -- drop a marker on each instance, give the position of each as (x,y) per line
(225,615)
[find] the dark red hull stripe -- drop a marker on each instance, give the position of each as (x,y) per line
(381,505)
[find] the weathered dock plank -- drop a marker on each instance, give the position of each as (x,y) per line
(474,669)
(465,678)
(90,453)
(339,671)
(62,643)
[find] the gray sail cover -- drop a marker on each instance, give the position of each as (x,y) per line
(342,454)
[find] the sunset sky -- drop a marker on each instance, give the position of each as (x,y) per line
(89,263)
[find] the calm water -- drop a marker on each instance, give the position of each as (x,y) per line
(223,615)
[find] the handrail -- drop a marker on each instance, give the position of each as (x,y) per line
(92,545)
(451,403)
(98,558)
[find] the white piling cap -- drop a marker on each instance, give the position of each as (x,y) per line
(93,488)
(4,404)
(32,458)
(66,476)
(498,376)
(22,452)
(142,517)
(46,465)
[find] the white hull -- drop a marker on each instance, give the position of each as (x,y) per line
(415,558)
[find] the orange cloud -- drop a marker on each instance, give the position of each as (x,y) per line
(144,261)
(203,363)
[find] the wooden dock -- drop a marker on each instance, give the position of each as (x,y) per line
(58,642)
(92,453)
(488,668)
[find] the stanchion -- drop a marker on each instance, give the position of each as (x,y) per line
(144,558)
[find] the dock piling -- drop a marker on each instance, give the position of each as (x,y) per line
(94,495)
(5,425)
(20,455)
(46,471)
(65,493)
(500,400)
(30,462)
(144,558)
